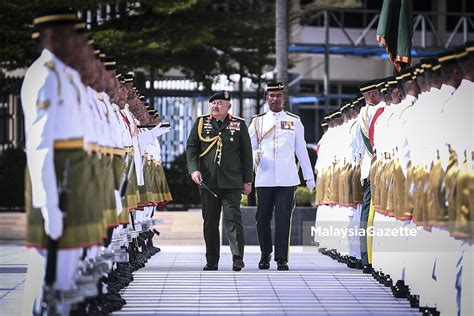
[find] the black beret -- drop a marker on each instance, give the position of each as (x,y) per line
(222,95)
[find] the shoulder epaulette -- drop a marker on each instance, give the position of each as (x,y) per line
(51,66)
(258,115)
(239,118)
(291,114)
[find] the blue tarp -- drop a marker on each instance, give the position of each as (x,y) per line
(356,51)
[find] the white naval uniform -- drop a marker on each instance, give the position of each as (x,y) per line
(277,166)
(323,214)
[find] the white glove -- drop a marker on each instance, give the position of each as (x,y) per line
(53,221)
(157,131)
(310,184)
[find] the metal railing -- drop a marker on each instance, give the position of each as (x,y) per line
(429,27)
(11,115)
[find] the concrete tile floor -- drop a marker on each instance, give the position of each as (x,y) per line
(173,283)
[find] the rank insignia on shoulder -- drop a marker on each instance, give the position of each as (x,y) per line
(43,105)
(288,125)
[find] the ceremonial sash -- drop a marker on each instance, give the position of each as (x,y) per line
(372,126)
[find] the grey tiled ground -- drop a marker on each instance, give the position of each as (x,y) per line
(13,263)
(173,283)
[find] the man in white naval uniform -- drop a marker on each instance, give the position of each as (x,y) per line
(276,137)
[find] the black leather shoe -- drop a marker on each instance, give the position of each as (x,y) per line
(211,267)
(388,281)
(282,265)
(237,263)
(414,301)
(367,269)
(264,263)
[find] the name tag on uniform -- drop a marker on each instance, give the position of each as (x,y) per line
(233,126)
(287,125)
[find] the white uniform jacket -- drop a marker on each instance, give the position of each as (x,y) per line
(276,138)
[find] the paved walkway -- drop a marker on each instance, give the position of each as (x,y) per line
(173,283)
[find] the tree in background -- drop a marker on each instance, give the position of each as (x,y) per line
(203,39)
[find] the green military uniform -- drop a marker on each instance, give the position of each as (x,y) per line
(223,155)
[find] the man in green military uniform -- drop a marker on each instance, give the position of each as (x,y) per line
(219,156)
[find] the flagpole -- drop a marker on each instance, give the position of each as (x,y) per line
(326,61)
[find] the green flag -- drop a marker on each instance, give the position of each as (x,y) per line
(395,30)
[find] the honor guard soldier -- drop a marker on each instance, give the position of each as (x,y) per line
(219,157)
(277,136)
(57,164)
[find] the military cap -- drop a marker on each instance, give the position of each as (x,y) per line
(102,56)
(469,48)
(129,77)
(142,98)
(430,64)
(54,17)
(110,63)
(275,86)
(222,95)
(80,26)
(345,106)
(406,74)
(463,55)
(120,78)
(96,50)
(392,82)
(449,57)
(368,86)
(380,83)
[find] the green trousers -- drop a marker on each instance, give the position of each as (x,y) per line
(229,201)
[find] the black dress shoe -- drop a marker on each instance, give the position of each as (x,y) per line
(429,311)
(388,281)
(237,263)
(264,263)
(414,301)
(367,269)
(210,267)
(282,265)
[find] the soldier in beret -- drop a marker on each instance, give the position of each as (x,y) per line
(219,156)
